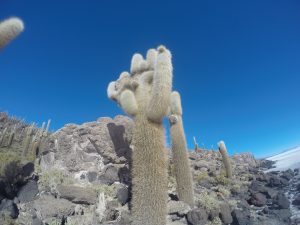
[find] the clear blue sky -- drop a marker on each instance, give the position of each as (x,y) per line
(236,64)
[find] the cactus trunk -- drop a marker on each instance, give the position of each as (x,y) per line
(149,173)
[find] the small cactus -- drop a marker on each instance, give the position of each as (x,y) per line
(9,30)
(225,158)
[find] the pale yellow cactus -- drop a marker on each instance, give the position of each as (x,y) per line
(9,30)
(145,95)
(226,159)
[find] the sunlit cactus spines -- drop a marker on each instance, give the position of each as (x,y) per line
(9,30)
(145,95)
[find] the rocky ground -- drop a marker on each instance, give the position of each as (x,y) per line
(81,175)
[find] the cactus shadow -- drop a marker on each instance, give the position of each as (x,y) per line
(122,149)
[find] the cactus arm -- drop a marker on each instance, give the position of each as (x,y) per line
(162,85)
(128,102)
(182,169)
(9,30)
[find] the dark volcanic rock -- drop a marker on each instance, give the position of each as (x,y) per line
(8,207)
(296,201)
(28,192)
(225,213)
(282,201)
(123,195)
(258,199)
(241,217)
(197,216)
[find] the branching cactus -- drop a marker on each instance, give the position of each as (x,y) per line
(145,95)
(180,155)
(226,159)
(9,30)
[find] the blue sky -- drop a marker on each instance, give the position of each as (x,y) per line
(236,64)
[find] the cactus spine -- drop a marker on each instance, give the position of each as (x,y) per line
(180,154)
(9,30)
(225,158)
(145,95)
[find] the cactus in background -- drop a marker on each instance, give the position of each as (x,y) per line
(11,136)
(195,144)
(226,159)
(47,127)
(145,95)
(182,168)
(3,136)
(9,30)
(27,140)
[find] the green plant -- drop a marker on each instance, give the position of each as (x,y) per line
(182,168)
(208,201)
(7,220)
(145,95)
(226,159)
(201,176)
(52,178)
(108,190)
(222,179)
(10,29)
(10,166)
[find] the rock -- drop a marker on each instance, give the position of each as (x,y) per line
(79,195)
(271,193)
(27,169)
(123,195)
(241,217)
(110,175)
(28,191)
(48,207)
(274,181)
(197,216)
(258,199)
(225,213)
(89,149)
(298,187)
(288,174)
(178,207)
(9,208)
(124,175)
(257,186)
(284,181)
(296,200)
(282,201)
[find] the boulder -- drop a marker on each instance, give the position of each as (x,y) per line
(123,195)
(296,200)
(178,207)
(9,208)
(225,213)
(197,216)
(241,217)
(48,207)
(258,199)
(79,195)
(28,191)
(282,201)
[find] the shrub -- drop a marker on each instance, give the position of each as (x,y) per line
(10,166)
(52,178)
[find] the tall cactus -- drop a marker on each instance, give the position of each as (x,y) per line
(225,158)
(9,30)
(11,136)
(145,95)
(180,155)
(27,140)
